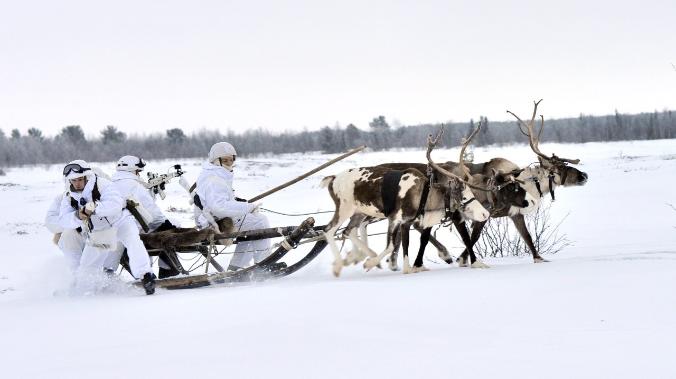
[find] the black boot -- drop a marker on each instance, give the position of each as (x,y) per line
(149,283)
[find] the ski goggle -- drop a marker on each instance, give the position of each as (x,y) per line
(74,167)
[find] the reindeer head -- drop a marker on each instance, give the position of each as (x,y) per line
(457,188)
(510,193)
(559,171)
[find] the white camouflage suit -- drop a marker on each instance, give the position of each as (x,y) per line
(110,218)
(128,186)
(71,242)
(214,188)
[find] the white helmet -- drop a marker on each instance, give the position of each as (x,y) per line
(221,149)
(76,169)
(130,163)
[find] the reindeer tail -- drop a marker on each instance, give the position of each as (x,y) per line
(326,181)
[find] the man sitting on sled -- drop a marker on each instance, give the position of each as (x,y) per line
(215,199)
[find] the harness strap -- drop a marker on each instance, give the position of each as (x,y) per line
(198,202)
(389,190)
(537,185)
(96,195)
(423,199)
(447,207)
(551,186)
(466,203)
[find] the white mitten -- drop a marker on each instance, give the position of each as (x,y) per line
(90,207)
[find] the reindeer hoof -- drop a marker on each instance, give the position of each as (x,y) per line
(419,269)
(371,263)
(349,258)
(479,264)
(446,257)
(392,265)
(539,260)
(462,262)
(337,267)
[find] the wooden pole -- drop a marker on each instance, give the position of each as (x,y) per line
(329,163)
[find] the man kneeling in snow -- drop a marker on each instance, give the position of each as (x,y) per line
(94,205)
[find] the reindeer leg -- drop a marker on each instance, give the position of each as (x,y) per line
(357,253)
(363,234)
(520,224)
(392,260)
(361,250)
(338,218)
(392,232)
(337,259)
(424,239)
(477,227)
(469,242)
(405,234)
(361,246)
(464,235)
(443,251)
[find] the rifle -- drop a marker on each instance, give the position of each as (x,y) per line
(156,182)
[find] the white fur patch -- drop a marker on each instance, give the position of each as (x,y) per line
(405,185)
(473,211)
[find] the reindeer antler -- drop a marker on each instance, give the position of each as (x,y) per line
(534,141)
(431,144)
(466,142)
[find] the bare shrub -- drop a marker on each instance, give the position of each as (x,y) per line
(501,239)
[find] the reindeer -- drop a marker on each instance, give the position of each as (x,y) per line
(507,194)
(357,192)
(537,180)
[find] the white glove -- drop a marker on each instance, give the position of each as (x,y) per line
(90,207)
(256,206)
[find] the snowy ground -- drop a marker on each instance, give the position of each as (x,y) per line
(604,307)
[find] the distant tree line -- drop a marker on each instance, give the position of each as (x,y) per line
(34,147)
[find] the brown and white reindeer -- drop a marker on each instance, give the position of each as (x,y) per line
(538,180)
(507,194)
(359,192)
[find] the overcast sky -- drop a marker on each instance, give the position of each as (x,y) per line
(144,66)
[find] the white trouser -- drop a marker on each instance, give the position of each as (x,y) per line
(95,259)
(258,249)
(71,244)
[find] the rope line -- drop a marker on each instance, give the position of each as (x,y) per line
(295,214)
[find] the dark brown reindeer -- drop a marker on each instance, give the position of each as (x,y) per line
(358,192)
(506,192)
(538,180)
